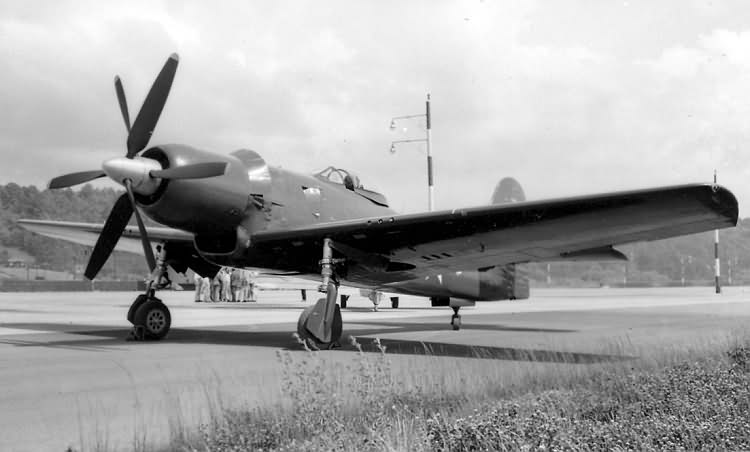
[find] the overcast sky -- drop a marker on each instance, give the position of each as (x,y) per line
(569,97)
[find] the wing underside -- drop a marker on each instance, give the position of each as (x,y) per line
(88,233)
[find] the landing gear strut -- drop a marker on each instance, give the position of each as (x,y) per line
(456,318)
(321,323)
(150,317)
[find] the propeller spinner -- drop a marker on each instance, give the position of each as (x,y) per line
(137,174)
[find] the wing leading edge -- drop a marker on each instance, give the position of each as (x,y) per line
(472,238)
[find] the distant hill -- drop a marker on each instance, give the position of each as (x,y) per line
(15,254)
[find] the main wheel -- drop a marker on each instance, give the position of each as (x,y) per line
(142,298)
(336,329)
(456,322)
(155,319)
(394,302)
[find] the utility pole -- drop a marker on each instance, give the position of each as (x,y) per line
(717,263)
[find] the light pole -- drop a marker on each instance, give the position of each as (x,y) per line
(717,264)
(427,140)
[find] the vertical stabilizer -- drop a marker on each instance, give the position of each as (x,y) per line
(505,282)
(508,190)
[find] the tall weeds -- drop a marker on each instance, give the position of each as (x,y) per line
(666,400)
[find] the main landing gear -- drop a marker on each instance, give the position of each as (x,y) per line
(321,323)
(150,317)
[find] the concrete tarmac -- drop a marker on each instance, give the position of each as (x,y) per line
(69,378)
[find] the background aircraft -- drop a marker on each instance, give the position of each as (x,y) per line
(236,210)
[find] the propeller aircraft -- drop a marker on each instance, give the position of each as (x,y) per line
(236,210)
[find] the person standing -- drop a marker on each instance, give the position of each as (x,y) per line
(206,289)
(245,285)
(226,285)
(236,281)
(251,286)
(216,286)
(198,281)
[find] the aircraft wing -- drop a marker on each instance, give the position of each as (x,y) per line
(472,238)
(88,233)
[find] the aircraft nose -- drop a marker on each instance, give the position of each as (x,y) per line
(136,170)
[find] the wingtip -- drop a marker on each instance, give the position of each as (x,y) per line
(726,202)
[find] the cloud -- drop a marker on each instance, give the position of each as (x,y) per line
(568,98)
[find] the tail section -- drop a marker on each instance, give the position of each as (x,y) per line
(505,282)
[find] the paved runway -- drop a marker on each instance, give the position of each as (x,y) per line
(68,378)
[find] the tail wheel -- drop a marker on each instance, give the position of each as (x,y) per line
(155,319)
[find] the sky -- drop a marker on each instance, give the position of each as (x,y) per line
(568,97)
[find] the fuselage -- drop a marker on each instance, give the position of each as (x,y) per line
(224,212)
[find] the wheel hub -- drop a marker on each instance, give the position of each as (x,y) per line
(155,321)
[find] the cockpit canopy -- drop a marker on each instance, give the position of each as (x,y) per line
(340,176)
(351,182)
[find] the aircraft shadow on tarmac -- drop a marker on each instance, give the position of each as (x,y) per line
(390,326)
(96,338)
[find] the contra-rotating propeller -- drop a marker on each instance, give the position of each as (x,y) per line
(132,169)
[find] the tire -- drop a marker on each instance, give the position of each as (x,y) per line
(336,329)
(394,302)
(140,299)
(155,318)
(344,299)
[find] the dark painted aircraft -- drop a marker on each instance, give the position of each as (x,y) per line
(236,210)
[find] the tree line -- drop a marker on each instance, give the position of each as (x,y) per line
(86,205)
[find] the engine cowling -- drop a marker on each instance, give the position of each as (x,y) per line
(210,206)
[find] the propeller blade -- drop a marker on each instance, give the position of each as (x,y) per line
(195,171)
(116,222)
(123,102)
(68,180)
(147,251)
(147,118)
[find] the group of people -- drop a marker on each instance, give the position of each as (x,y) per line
(229,285)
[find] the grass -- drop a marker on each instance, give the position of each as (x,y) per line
(695,398)
(691,397)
